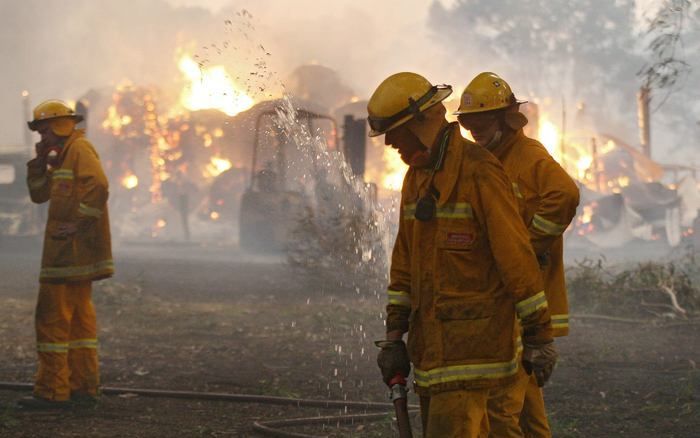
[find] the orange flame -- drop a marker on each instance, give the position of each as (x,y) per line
(211,87)
(130,181)
(549,136)
(394,170)
(217,166)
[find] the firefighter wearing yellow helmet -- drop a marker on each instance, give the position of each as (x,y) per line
(77,251)
(461,268)
(547,199)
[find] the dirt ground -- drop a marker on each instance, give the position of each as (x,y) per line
(207,318)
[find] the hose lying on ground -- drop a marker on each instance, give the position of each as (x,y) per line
(265,427)
(270,427)
(659,323)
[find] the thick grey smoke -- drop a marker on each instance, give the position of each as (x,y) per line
(62,49)
(58,49)
(585,54)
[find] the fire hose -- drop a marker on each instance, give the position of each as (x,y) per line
(269,428)
(399,397)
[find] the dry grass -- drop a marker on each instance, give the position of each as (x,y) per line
(664,289)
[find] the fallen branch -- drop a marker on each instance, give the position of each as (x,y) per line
(674,300)
(669,307)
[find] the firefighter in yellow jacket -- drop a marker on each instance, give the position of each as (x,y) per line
(461,269)
(77,251)
(547,199)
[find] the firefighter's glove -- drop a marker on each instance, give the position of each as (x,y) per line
(540,360)
(393,359)
(37,165)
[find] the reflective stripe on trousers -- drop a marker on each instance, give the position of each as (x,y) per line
(66,331)
(398,298)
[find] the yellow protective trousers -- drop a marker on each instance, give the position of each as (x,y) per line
(517,410)
(533,418)
(66,334)
(454,414)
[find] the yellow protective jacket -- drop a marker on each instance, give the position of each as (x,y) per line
(77,192)
(547,197)
(457,281)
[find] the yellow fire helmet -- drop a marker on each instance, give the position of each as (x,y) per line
(486,92)
(401,97)
(62,116)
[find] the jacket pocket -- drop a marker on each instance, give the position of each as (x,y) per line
(62,201)
(85,245)
(460,262)
(470,329)
(62,187)
(58,251)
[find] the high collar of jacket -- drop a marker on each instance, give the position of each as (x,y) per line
(437,142)
(76,134)
(509,139)
(452,165)
(429,131)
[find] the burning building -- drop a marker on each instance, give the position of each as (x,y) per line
(183,160)
(625,194)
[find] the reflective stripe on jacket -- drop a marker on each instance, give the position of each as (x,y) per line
(458,280)
(547,197)
(77,192)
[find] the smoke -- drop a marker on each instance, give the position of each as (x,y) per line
(58,49)
(61,50)
(579,56)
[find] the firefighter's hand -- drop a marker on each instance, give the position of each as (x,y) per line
(39,162)
(540,360)
(66,229)
(393,359)
(40,149)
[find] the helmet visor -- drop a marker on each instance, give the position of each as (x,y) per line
(478,121)
(382,124)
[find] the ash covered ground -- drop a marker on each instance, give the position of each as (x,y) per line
(209,318)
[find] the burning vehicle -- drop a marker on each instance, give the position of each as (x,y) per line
(275,198)
(18,216)
(625,195)
(200,168)
(625,198)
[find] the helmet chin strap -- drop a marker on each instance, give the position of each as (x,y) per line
(419,159)
(423,156)
(495,141)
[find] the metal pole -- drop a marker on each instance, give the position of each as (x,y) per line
(594,155)
(643,116)
(27,115)
(562,142)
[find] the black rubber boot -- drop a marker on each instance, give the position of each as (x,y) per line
(84,401)
(34,403)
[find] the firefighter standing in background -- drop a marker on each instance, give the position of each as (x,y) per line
(461,268)
(77,251)
(547,198)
